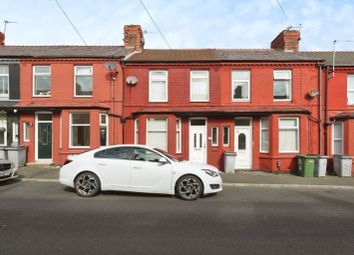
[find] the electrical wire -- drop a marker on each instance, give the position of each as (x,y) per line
(282,10)
(67,17)
(153,21)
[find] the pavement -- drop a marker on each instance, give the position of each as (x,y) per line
(250,178)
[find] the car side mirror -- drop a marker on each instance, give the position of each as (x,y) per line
(163,161)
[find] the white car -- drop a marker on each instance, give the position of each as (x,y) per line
(8,170)
(138,168)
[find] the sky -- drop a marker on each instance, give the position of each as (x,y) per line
(184,23)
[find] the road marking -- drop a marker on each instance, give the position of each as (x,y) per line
(261,185)
(39,180)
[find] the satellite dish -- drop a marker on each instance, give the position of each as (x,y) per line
(132,80)
(110,66)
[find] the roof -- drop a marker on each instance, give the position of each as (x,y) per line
(217,55)
(63,51)
(342,58)
(344,115)
(59,104)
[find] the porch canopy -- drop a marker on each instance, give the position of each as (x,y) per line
(211,111)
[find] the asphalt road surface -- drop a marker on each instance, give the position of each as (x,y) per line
(46,218)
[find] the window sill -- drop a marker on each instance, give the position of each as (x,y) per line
(39,96)
(79,147)
(75,96)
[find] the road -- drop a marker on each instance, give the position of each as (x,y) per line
(46,218)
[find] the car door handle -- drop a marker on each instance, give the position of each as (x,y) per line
(137,167)
(102,164)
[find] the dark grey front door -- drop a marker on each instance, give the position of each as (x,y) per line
(44,140)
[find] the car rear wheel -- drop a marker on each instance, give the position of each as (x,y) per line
(189,187)
(87,184)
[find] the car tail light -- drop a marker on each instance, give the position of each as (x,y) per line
(67,162)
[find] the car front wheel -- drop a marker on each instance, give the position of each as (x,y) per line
(189,187)
(87,184)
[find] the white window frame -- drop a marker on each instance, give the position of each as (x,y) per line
(216,137)
(34,74)
(178,135)
(151,79)
(26,131)
(338,139)
(136,131)
(106,126)
(15,132)
(262,128)
(290,84)
(191,85)
(77,125)
(3,124)
(148,130)
(6,75)
(75,75)
(350,90)
(228,136)
(297,131)
(233,81)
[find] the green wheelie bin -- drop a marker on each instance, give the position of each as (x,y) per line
(306,165)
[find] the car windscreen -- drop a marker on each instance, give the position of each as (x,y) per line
(169,156)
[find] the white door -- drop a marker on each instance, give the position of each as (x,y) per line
(197,140)
(243,143)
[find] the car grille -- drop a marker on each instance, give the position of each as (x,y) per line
(5,167)
(4,177)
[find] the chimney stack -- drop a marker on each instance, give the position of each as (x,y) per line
(287,40)
(2,39)
(133,37)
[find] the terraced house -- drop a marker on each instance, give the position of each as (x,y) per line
(70,97)
(268,105)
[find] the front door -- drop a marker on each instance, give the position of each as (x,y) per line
(243,143)
(44,136)
(197,140)
(44,140)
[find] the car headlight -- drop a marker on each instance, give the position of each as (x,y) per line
(210,172)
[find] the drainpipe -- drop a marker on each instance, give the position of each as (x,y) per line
(326,112)
(320,107)
(123,101)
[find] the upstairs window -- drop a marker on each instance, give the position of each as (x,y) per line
(158,86)
(199,86)
(350,89)
(4,81)
(41,81)
(282,85)
(241,85)
(83,81)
